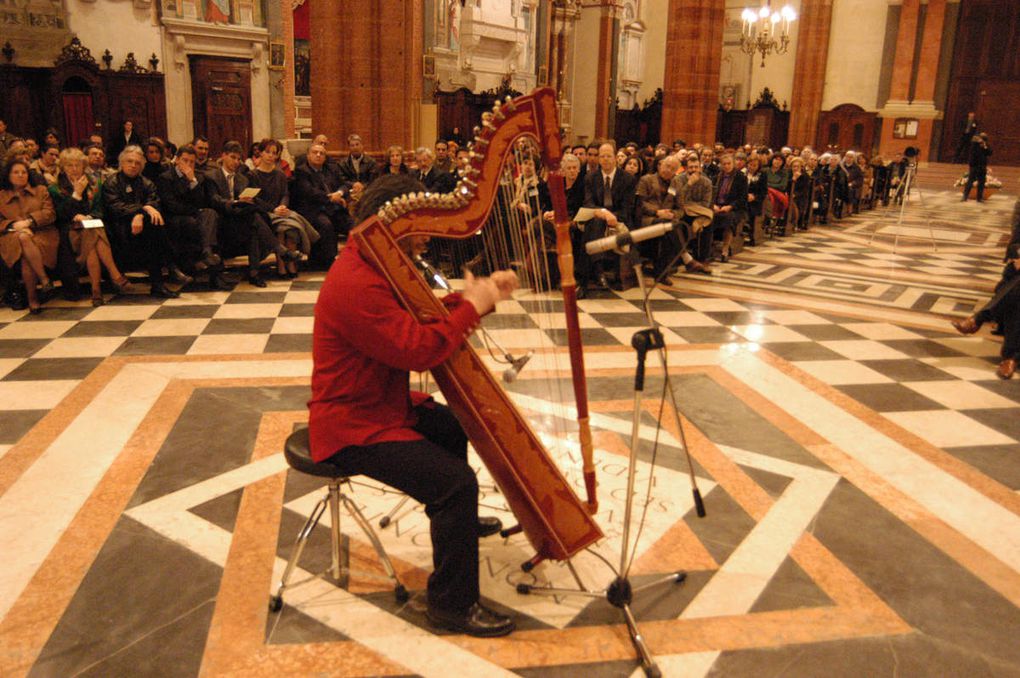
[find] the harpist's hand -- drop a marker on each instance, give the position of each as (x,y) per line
(483,293)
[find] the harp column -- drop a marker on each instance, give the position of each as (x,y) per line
(366,70)
(690,93)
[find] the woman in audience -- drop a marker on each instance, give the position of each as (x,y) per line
(27,233)
(777,178)
(868,187)
(757,192)
(155,159)
(292,230)
(395,164)
(634,165)
(801,193)
(76,200)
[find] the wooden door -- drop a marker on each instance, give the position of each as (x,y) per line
(998,114)
(847,127)
(221,100)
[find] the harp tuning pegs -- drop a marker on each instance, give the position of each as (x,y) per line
(509,102)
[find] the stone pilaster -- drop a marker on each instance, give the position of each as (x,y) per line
(605,91)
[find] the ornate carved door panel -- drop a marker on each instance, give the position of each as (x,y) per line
(221,100)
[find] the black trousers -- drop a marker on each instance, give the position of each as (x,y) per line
(324,249)
(435,472)
(1004,309)
(151,248)
(979,175)
(192,236)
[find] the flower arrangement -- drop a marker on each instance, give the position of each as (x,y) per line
(990,182)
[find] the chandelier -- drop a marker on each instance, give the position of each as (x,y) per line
(766,31)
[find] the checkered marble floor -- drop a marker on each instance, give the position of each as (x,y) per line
(927,379)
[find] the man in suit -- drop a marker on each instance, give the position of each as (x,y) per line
(357,170)
(694,195)
(443,160)
(127,137)
(318,196)
(241,225)
(610,192)
(201,146)
(434,179)
(977,172)
(192,222)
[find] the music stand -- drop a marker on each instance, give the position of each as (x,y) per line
(903,195)
(619,593)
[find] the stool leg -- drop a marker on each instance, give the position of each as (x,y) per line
(276,602)
(366,527)
(334,514)
(388,518)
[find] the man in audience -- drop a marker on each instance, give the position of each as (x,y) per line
(729,202)
(610,192)
(31,149)
(694,195)
(135,225)
(201,146)
(709,167)
(658,204)
(357,170)
(443,161)
(1003,308)
(241,224)
(434,179)
(96,167)
(591,165)
(318,140)
(317,195)
(192,222)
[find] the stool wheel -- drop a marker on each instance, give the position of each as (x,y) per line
(401,593)
(275,603)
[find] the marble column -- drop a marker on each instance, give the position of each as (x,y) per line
(561,46)
(912,91)
(605,89)
(690,96)
(809,70)
(366,70)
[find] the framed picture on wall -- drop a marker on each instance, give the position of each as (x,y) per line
(277,55)
(905,128)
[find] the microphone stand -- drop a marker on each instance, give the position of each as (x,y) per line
(620,592)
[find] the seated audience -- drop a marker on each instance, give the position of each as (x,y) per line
(27,233)
(777,178)
(78,199)
(729,202)
(316,194)
(395,161)
(357,170)
(273,201)
(155,159)
(656,203)
(610,191)
(191,219)
(443,161)
(242,227)
(201,146)
(96,167)
(801,193)
(694,197)
(434,179)
(135,225)
(46,164)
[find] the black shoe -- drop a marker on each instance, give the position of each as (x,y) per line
(15,298)
(603,281)
(582,293)
(211,260)
(290,256)
(489,525)
(255,280)
(163,292)
(476,621)
(217,282)
(178,276)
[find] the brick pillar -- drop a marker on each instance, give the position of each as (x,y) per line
(366,70)
(690,96)
(809,70)
(920,103)
(605,89)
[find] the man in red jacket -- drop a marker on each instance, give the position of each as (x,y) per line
(365,420)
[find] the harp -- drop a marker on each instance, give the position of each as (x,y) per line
(555,521)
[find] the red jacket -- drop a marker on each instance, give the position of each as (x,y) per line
(364,344)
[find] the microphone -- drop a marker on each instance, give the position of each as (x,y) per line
(510,373)
(622,242)
(432,273)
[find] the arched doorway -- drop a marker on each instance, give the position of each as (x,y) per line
(847,127)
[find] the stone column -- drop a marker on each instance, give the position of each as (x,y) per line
(287,33)
(915,102)
(366,70)
(561,47)
(605,85)
(690,96)
(809,70)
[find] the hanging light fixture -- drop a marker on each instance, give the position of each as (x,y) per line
(766,31)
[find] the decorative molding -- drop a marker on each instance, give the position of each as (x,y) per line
(922,110)
(194,37)
(75,52)
(131,65)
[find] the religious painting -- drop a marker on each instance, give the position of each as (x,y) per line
(277,55)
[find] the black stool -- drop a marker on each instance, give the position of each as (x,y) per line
(299,458)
